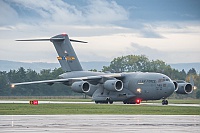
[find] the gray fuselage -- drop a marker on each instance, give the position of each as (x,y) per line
(136,85)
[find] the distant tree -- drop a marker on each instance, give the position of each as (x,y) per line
(192,71)
(198,94)
(21,73)
(93,70)
(45,74)
(56,72)
(129,63)
(183,73)
(4,84)
(32,75)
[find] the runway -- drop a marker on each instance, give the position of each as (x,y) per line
(119,103)
(99,123)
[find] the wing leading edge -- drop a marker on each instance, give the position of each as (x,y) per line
(65,81)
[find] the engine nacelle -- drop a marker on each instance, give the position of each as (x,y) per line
(81,86)
(175,85)
(113,85)
(184,88)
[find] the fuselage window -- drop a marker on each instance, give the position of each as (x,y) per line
(167,80)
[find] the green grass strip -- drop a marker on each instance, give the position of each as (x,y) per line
(64,109)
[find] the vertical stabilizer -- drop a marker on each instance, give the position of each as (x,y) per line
(66,54)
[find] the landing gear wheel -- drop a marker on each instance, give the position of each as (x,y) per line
(108,100)
(164,102)
(111,102)
(96,102)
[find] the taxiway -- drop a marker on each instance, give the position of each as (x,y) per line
(120,103)
(99,123)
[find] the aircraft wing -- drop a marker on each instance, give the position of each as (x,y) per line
(65,81)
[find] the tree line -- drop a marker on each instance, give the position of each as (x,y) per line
(129,63)
(22,75)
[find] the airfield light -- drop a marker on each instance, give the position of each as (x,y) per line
(194,87)
(12,86)
(138,101)
(64,34)
(33,102)
(139,90)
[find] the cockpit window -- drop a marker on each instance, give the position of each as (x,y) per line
(167,80)
(162,80)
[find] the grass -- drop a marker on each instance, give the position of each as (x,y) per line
(61,109)
(56,109)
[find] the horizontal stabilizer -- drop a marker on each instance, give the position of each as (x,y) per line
(77,41)
(34,40)
(54,39)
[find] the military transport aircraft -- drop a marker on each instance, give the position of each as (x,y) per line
(131,88)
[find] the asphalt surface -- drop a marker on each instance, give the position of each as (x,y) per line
(99,123)
(120,103)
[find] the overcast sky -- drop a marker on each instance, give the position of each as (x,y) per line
(168,30)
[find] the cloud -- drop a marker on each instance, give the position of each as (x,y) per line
(112,29)
(151,53)
(148,33)
(7,14)
(105,12)
(59,12)
(166,56)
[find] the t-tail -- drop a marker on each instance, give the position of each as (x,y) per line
(66,54)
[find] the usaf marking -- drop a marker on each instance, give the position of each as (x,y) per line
(66,58)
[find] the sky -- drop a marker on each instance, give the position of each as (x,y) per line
(167,30)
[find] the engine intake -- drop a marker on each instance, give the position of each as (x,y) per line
(184,88)
(113,85)
(81,86)
(176,85)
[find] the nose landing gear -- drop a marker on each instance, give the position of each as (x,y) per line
(164,102)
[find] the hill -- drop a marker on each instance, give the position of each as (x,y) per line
(37,66)
(186,66)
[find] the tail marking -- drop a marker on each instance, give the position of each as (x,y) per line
(66,58)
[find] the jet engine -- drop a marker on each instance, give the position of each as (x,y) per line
(81,86)
(184,88)
(113,85)
(175,85)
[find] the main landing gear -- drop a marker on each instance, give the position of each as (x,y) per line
(137,101)
(108,100)
(164,102)
(104,102)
